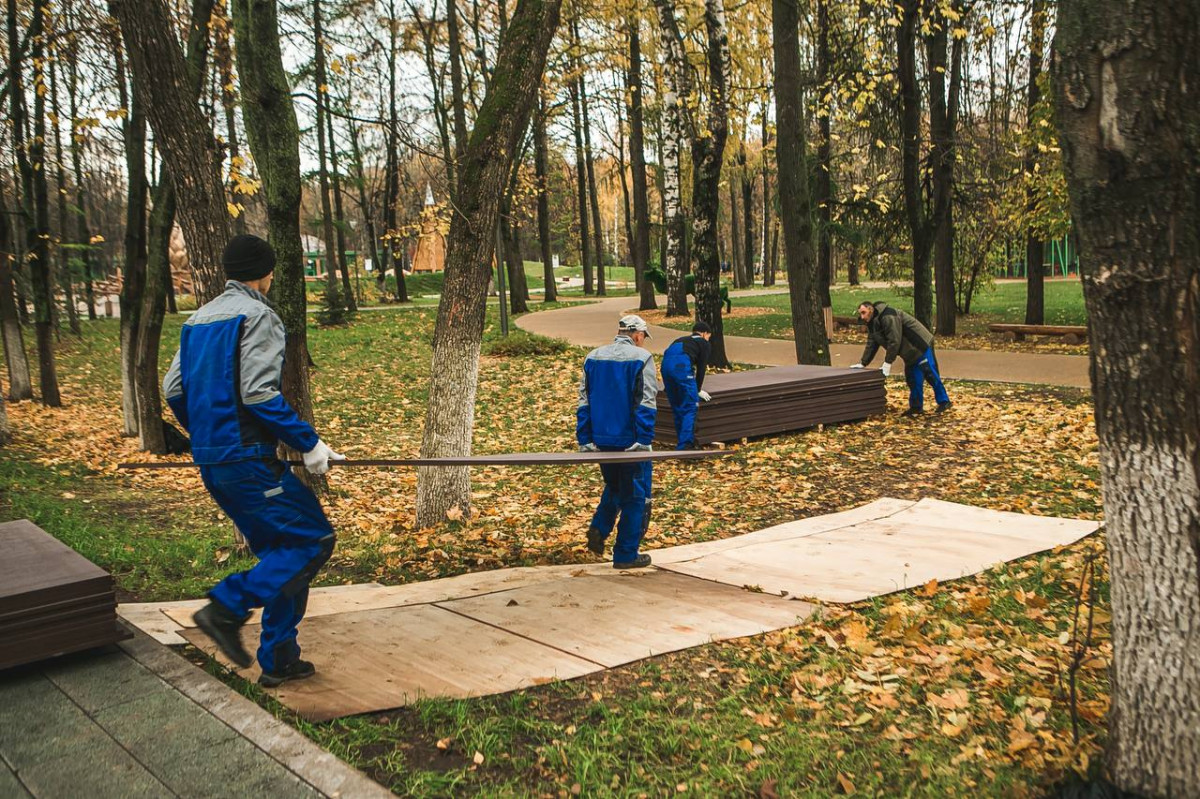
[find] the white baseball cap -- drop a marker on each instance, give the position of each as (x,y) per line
(633,324)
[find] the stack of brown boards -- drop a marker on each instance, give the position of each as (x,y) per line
(52,599)
(777,400)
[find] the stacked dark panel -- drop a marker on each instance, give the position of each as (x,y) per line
(777,400)
(52,599)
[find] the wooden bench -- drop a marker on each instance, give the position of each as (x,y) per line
(1071,334)
(846,321)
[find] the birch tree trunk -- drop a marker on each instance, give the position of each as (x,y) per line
(1127,85)
(483,175)
(795,207)
(677,91)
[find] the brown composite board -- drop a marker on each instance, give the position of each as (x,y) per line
(103,598)
(77,642)
(47,622)
(38,569)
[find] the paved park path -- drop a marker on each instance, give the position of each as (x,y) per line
(137,720)
(595,323)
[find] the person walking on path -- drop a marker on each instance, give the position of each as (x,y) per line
(683,366)
(616,413)
(224,387)
(900,334)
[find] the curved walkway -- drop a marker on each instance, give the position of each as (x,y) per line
(595,323)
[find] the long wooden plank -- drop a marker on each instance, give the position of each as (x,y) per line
(379,659)
(504,459)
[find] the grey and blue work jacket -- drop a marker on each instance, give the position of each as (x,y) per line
(617,396)
(223,384)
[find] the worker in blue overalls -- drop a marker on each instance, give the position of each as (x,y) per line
(683,367)
(224,387)
(616,413)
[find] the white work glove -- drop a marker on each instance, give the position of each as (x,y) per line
(588,447)
(856,366)
(317,459)
(886,369)
(704,395)
(636,447)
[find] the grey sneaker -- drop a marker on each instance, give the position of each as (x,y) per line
(640,562)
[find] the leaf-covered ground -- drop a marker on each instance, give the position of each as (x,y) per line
(946,690)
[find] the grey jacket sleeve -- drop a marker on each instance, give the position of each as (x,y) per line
(262,358)
(172,385)
(890,328)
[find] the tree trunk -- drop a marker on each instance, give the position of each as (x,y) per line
(637,166)
(82,232)
(338,212)
(364,204)
(392,183)
(943,116)
(747,217)
(332,256)
(20,385)
(824,176)
(1126,73)
(735,234)
(919,224)
(274,140)
(457,99)
(134,277)
(223,67)
(483,175)
(593,198)
(581,181)
(795,210)
(540,156)
(182,134)
(1035,268)
(672,138)
(768,225)
(65,278)
(35,204)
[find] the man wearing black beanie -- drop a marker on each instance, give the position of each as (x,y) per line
(224,387)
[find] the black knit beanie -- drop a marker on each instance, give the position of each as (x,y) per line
(701,327)
(247,257)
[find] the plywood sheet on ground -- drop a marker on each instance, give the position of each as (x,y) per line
(378,659)
(927,540)
(618,618)
(321,602)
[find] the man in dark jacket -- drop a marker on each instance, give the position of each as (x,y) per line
(224,387)
(683,367)
(616,412)
(901,335)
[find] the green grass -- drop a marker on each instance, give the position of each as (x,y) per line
(1000,302)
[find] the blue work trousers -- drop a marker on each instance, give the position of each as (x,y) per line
(916,375)
(627,493)
(286,529)
(680,383)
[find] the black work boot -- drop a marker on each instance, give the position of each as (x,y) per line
(222,625)
(913,412)
(944,406)
(640,562)
(296,670)
(595,540)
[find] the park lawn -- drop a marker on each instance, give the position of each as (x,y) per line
(769,315)
(947,690)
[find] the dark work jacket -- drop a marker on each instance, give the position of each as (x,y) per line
(698,350)
(899,333)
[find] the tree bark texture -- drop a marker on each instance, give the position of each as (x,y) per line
(640,245)
(795,206)
(593,196)
(943,120)
(824,174)
(182,134)
(678,90)
(20,385)
(274,139)
(82,232)
(483,175)
(134,274)
(1035,267)
(31,160)
(541,167)
(768,263)
(65,278)
(332,257)
(339,215)
(1127,85)
(747,217)
(582,189)
(920,227)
